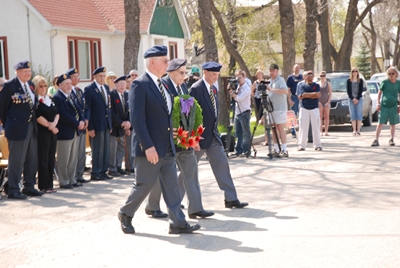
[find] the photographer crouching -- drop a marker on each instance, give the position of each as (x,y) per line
(242,113)
(278,97)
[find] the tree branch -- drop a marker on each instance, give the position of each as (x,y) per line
(253,11)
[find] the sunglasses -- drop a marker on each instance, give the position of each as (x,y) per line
(322,75)
(391,73)
(354,71)
(310,74)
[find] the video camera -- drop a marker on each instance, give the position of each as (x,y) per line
(262,86)
(193,78)
(233,84)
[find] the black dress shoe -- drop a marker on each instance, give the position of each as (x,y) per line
(201,214)
(132,170)
(126,223)
(17,195)
(82,180)
(121,171)
(156,213)
(68,186)
(32,192)
(185,229)
(96,178)
(236,204)
(114,174)
(77,184)
(106,177)
(86,169)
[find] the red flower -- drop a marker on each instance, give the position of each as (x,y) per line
(200,130)
(191,142)
(183,141)
(117,101)
(31,87)
(314,88)
(41,100)
(192,134)
(197,138)
(215,91)
(180,131)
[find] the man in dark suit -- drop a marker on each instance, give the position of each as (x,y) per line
(77,94)
(211,144)
(98,106)
(121,126)
(17,114)
(185,159)
(70,124)
(153,145)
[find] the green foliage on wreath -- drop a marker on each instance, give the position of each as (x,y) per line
(194,119)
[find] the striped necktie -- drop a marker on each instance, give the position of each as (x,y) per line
(69,99)
(123,102)
(178,88)
(160,87)
(28,97)
(103,94)
(79,94)
(213,100)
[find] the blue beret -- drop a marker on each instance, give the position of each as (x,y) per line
(175,64)
(99,70)
(71,71)
(212,66)
(22,65)
(121,78)
(61,78)
(156,51)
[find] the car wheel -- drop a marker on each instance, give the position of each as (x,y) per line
(375,116)
(368,120)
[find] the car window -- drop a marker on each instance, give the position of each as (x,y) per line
(339,83)
(373,88)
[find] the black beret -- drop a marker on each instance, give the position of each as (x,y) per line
(212,66)
(71,71)
(61,78)
(156,51)
(99,70)
(121,78)
(22,65)
(175,64)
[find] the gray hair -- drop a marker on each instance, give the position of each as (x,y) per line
(392,68)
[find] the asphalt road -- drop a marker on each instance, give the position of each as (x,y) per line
(335,208)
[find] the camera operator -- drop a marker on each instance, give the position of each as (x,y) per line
(278,96)
(242,115)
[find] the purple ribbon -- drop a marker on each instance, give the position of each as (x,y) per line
(186,104)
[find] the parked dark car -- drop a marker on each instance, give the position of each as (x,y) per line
(340,113)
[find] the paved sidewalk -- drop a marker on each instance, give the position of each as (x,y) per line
(335,208)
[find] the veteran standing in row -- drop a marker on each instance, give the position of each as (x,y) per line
(18,116)
(153,145)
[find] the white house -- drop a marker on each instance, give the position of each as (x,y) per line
(57,35)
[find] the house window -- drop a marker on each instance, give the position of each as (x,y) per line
(3,57)
(85,55)
(173,50)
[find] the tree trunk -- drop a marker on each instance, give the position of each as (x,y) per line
(232,29)
(311,34)
(287,33)
(325,29)
(132,34)
(211,54)
(372,47)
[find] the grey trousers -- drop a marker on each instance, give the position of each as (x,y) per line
(23,159)
(100,145)
(67,159)
(188,179)
(80,168)
(117,152)
(129,147)
(220,167)
(146,176)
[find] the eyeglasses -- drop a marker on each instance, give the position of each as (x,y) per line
(134,75)
(310,74)
(322,75)
(354,71)
(182,72)
(391,73)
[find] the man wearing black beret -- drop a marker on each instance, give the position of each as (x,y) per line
(17,114)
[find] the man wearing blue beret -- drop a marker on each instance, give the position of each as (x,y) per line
(211,144)
(17,114)
(98,106)
(153,144)
(185,158)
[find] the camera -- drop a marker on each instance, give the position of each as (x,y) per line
(192,79)
(262,86)
(233,84)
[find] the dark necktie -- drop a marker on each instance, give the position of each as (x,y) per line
(28,97)
(79,94)
(123,102)
(179,90)
(73,106)
(213,100)
(103,94)
(162,91)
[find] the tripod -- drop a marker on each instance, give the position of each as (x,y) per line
(266,109)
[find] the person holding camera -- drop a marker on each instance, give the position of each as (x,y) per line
(278,97)
(242,115)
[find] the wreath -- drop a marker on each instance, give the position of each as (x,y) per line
(187,118)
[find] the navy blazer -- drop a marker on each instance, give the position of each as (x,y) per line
(210,121)
(171,88)
(118,114)
(67,124)
(98,113)
(16,116)
(81,103)
(152,124)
